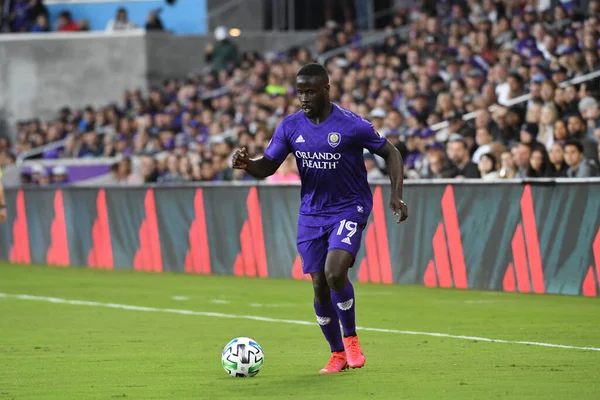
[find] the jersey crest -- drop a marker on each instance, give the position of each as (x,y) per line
(334,139)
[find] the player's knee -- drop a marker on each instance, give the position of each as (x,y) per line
(322,295)
(336,268)
(321,288)
(336,277)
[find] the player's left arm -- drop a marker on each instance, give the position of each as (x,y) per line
(395,166)
(372,140)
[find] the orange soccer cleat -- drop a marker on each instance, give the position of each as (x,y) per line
(337,363)
(354,354)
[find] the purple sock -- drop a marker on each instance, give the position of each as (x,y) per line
(330,325)
(344,306)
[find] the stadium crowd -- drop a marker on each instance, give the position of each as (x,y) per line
(456,58)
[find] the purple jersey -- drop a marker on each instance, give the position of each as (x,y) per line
(331,164)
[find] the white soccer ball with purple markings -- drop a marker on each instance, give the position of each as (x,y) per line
(242,357)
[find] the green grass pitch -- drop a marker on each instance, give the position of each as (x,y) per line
(58,350)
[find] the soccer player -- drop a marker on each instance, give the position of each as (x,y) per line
(328,143)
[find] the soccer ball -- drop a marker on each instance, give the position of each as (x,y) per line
(242,357)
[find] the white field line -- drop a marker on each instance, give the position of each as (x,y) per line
(219,301)
(280,305)
(281,321)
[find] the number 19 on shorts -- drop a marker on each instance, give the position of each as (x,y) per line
(347,229)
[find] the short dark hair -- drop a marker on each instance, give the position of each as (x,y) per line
(516,76)
(578,116)
(492,158)
(576,143)
(314,70)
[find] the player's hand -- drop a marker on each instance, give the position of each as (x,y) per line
(241,159)
(2,215)
(399,208)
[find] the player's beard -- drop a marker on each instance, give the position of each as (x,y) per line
(309,111)
(313,109)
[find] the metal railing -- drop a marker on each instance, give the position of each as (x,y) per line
(215,93)
(521,99)
(40,150)
(377,38)
(73,161)
(220,10)
(372,17)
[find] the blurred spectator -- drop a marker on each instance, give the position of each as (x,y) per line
(149,171)
(24,13)
(6,159)
(172,175)
(545,130)
(126,175)
(373,172)
(538,163)
(39,175)
(508,168)
(589,110)
(436,164)
(484,139)
(91,145)
(557,168)
(528,134)
(487,167)
(222,53)
(521,155)
(37,9)
(458,154)
(66,23)
(287,173)
(121,22)
(18,16)
(414,157)
(60,175)
(84,25)
(114,174)
(41,24)
(153,21)
(579,167)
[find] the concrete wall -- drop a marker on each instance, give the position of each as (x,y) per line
(39,73)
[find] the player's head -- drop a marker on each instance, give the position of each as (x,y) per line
(312,85)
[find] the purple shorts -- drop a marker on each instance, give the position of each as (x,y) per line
(315,242)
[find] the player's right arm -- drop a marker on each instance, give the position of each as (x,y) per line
(267,165)
(259,168)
